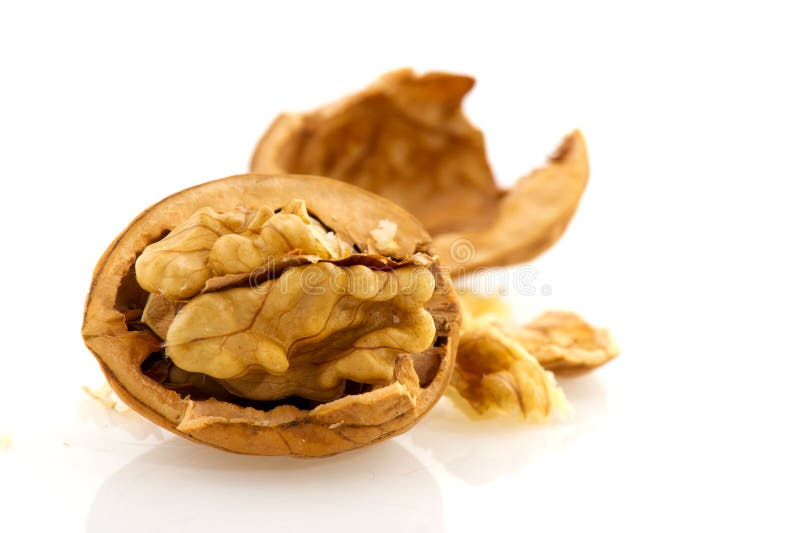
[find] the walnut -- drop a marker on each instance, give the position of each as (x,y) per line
(560,340)
(509,369)
(274,315)
(210,244)
(564,343)
(494,373)
(335,323)
(406,138)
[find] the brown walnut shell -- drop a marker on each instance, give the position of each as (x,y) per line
(406,138)
(123,345)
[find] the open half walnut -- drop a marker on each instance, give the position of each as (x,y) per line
(275,315)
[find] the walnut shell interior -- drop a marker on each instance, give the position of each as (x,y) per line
(131,352)
(406,138)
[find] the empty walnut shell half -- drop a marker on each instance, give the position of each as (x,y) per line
(406,138)
(275,315)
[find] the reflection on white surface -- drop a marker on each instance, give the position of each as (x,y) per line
(180,486)
(483,450)
(133,425)
(175,485)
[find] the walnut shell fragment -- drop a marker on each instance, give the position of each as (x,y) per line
(203,291)
(406,138)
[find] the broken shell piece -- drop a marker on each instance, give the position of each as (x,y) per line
(406,138)
(531,216)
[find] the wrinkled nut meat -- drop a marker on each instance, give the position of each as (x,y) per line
(406,138)
(564,343)
(494,373)
(336,324)
(275,315)
(560,340)
(509,370)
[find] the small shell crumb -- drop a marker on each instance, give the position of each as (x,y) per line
(105,395)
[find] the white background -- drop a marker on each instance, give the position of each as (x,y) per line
(685,246)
